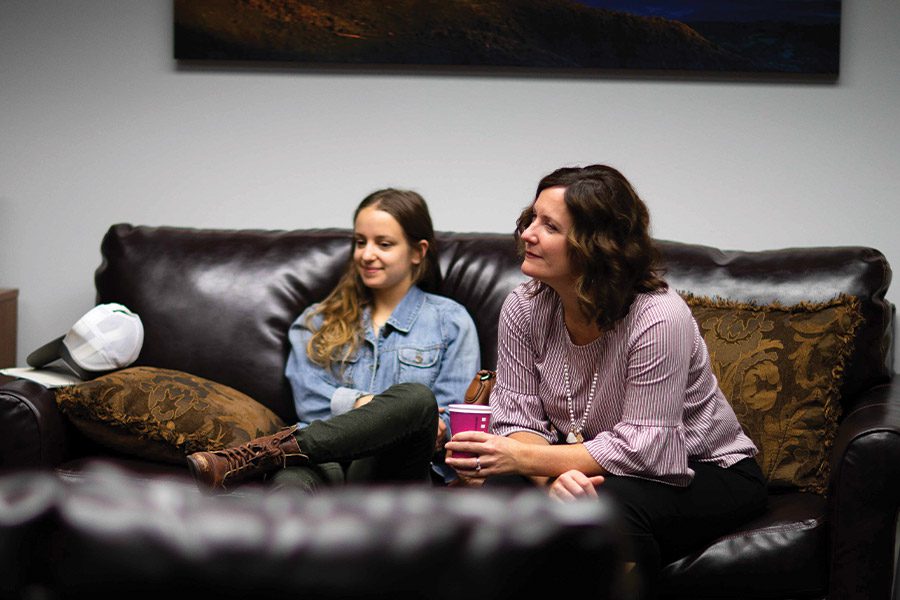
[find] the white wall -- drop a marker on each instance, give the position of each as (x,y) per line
(98,124)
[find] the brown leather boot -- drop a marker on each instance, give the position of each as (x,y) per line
(222,468)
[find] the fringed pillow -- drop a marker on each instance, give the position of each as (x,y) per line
(781,368)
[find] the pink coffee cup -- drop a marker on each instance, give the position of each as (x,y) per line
(469,417)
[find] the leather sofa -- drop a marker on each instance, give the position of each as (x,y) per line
(115,534)
(218,303)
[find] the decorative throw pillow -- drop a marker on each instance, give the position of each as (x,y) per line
(163,415)
(781,369)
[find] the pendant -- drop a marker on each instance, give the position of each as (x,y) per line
(574,438)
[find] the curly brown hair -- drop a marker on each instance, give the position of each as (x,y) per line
(609,242)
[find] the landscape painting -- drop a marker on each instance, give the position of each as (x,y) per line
(800,37)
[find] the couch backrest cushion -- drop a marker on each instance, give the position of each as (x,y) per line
(218,303)
(480,270)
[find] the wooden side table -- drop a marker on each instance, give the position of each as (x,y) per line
(8,327)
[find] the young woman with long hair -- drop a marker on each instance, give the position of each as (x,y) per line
(372,367)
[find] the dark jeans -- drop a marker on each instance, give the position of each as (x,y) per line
(390,439)
(663,522)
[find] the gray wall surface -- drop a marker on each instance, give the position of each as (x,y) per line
(99,124)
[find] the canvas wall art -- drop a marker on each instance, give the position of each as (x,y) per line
(740,36)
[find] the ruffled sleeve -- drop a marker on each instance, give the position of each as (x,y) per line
(647,451)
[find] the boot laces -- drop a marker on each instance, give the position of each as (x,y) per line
(241,457)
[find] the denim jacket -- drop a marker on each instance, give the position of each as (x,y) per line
(428,339)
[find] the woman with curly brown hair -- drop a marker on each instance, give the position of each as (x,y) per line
(604,384)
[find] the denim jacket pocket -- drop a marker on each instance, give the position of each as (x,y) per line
(419,365)
(348,370)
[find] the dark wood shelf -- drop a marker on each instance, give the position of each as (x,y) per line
(8,326)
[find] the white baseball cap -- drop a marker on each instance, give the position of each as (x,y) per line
(106,338)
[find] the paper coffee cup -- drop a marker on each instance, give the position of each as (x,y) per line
(469,417)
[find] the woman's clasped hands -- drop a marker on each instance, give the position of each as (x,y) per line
(497,455)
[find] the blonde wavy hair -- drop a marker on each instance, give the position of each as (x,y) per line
(341,333)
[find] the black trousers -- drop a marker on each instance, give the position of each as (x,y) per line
(662,522)
(390,439)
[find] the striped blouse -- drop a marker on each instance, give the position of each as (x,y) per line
(656,403)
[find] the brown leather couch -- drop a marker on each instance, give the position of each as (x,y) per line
(218,304)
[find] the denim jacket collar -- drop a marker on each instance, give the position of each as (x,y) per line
(404,316)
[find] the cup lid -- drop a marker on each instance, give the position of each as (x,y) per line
(469,408)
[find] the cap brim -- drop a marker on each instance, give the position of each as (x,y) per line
(56,351)
(46,354)
(70,362)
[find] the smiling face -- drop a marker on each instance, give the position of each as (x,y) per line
(383,257)
(546,242)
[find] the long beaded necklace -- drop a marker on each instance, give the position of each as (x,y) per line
(574,436)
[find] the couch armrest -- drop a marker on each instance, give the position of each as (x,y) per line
(864,496)
(32,430)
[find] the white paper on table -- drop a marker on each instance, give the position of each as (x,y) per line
(47,377)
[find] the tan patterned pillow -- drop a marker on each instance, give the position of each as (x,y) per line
(163,415)
(781,369)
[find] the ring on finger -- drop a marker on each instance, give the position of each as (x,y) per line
(477,463)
